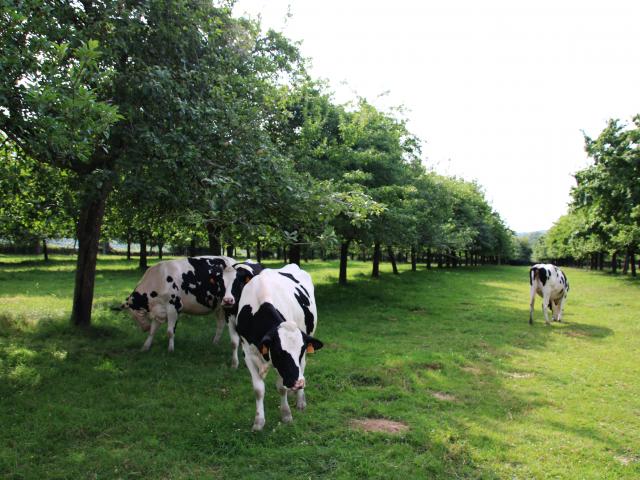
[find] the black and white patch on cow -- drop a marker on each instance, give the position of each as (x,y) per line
(245,271)
(276,319)
(552,285)
(196,285)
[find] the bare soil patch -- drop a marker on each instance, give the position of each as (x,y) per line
(446,397)
(430,366)
(626,459)
(379,425)
(519,374)
(474,370)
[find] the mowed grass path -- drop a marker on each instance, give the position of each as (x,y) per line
(449,353)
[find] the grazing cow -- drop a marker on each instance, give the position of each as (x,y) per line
(195,285)
(276,318)
(552,285)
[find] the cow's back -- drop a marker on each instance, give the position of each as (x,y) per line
(178,283)
(546,276)
(289,290)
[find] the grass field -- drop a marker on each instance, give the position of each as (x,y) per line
(448,353)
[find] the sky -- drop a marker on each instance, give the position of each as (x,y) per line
(500,91)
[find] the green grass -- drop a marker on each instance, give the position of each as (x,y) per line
(524,402)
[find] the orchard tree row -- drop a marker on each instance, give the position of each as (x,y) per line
(171,122)
(603,224)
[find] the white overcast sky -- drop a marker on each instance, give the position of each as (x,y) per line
(498,90)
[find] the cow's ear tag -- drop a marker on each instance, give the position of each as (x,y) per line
(212,280)
(264,350)
(247,280)
(310,348)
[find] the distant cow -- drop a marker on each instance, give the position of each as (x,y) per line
(195,285)
(277,316)
(552,285)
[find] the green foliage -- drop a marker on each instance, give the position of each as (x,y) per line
(605,205)
(36,200)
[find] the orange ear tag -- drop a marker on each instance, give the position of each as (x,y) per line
(247,280)
(310,349)
(264,350)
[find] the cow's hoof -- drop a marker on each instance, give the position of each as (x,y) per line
(234,364)
(216,340)
(258,424)
(301,405)
(145,348)
(287,417)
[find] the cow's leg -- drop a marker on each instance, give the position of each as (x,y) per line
(235,342)
(285,411)
(561,309)
(532,303)
(545,308)
(555,310)
(172,319)
(219,325)
(301,401)
(258,389)
(152,332)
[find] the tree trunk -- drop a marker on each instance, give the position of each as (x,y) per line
(88,233)
(440,261)
(213,234)
(45,251)
(248,253)
(143,252)
(230,251)
(632,260)
(128,248)
(414,260)
(258,252)
(614,262)
(160,245)
(192,247)
(294,253)
(344,254)
(375,272)
(392,259)
(625,266)
(429,258)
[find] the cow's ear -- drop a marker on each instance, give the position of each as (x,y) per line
(247,279)
(312,344)
(265,344)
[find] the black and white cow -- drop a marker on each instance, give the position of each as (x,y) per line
(195,285)
(552,285)
(276,317)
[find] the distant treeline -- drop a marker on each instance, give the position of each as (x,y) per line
(602,227)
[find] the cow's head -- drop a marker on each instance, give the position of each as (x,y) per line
(286,345)
(243,273)
(137,305)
